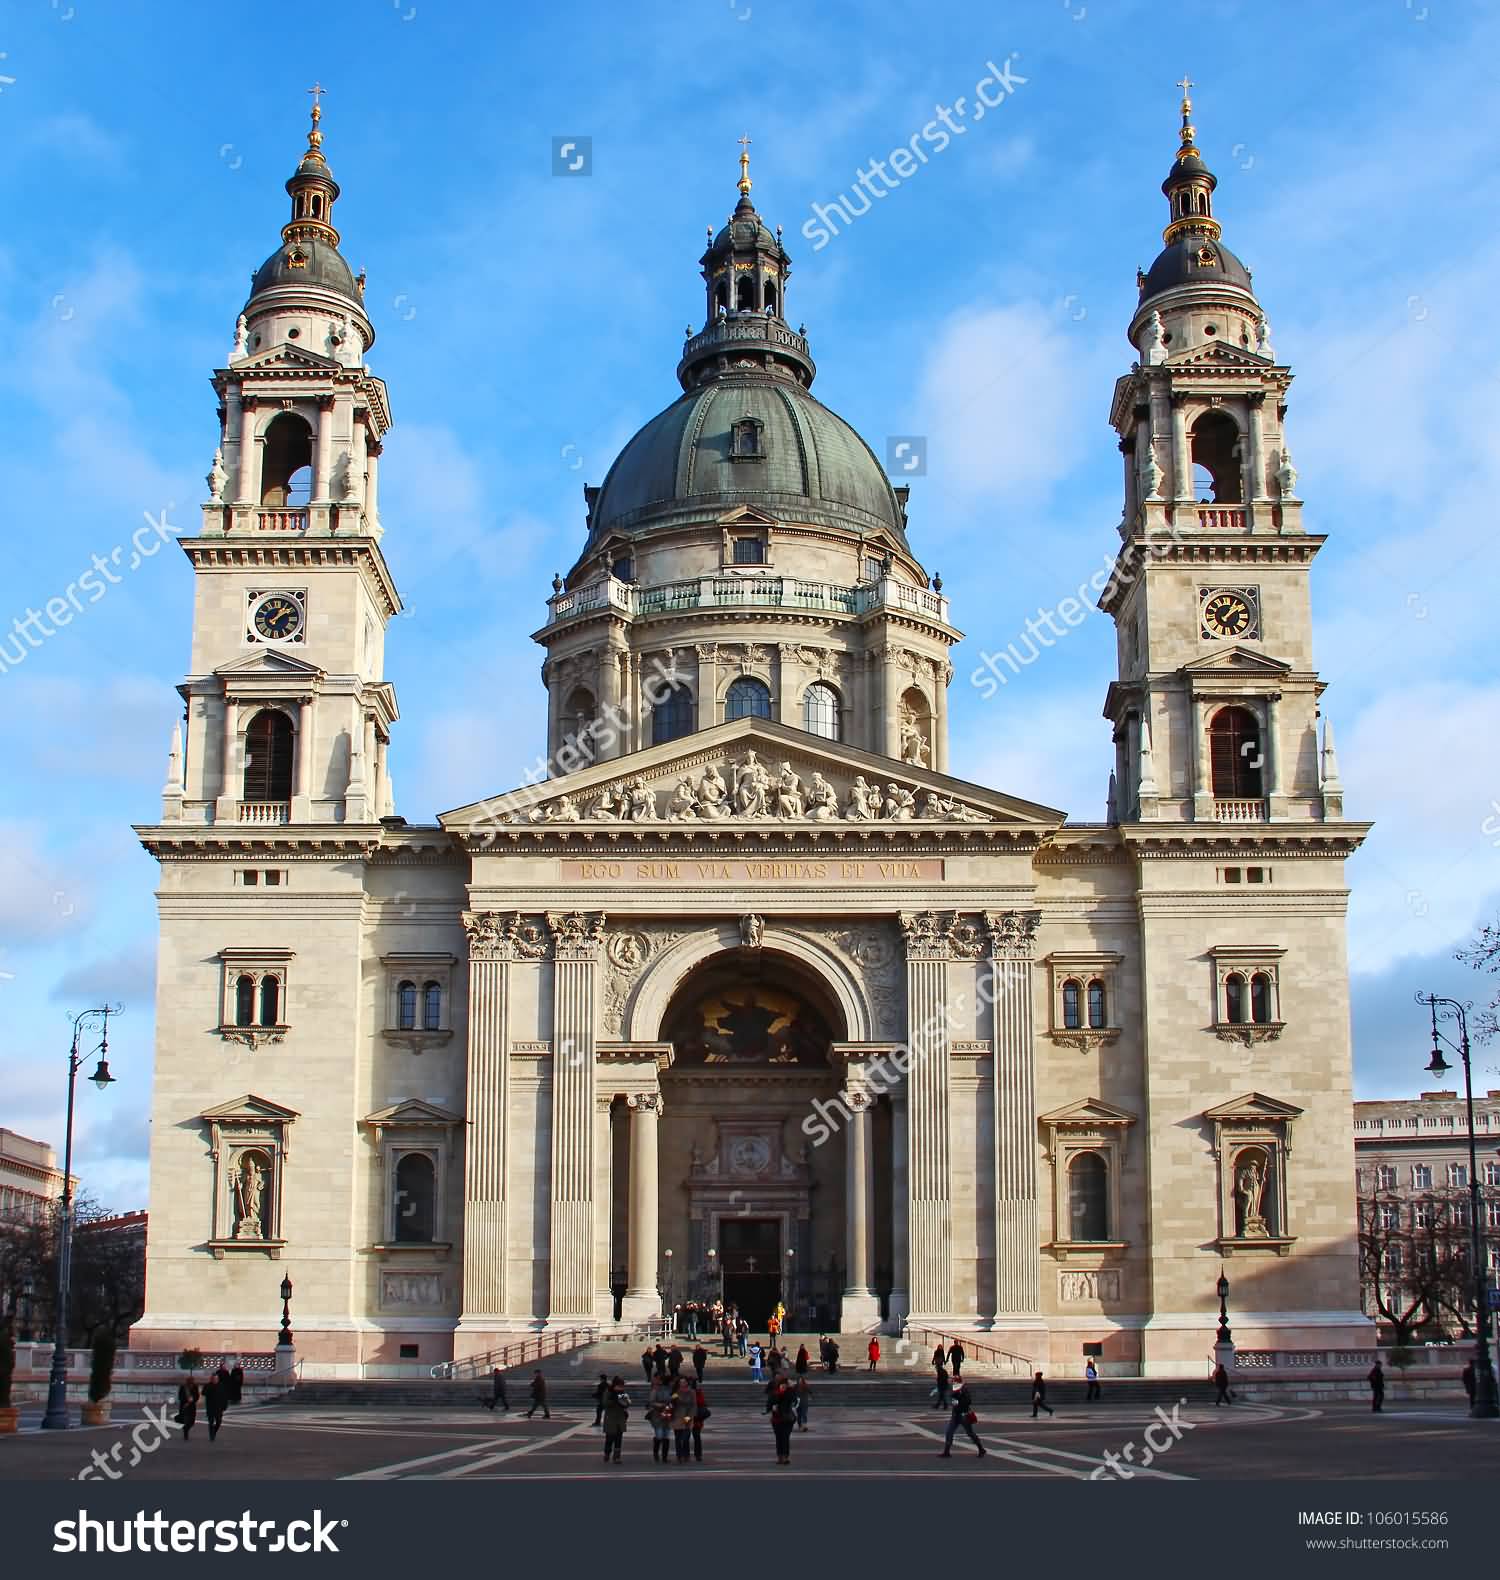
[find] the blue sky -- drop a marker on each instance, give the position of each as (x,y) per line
(528,324)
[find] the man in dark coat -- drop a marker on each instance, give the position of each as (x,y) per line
(700,1362)
(601,1393)
(215,1401)
(538,1397)
(659,1355)
(648,1363)
(497,1392)
(1376,1380)
(956,1358)
(1039,1396)
(236,1383)
(963,1408)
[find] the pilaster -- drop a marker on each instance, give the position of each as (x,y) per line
(1010,937)
(930,1285)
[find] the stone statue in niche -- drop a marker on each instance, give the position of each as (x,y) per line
(752,931)
(913,743)
(249,1200)
(1249,1191)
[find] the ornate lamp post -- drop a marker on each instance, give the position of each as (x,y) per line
(1223,1342)
(1486,1403)
(284,1338)
(57,1385)
(667,1281)
(716,1274)
(791,1284)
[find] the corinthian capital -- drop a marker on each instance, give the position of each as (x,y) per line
(1012,933)
(576,936)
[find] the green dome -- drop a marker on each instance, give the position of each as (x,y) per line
(812,466)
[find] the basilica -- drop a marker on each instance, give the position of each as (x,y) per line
(751,997)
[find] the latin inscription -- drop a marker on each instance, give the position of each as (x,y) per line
(697,873)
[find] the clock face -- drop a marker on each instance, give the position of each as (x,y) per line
(1227,613)
(278,618)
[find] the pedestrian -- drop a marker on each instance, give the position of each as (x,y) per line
(756,1375)
(539,1397)
(773,1327)
(187,1406)
(701,1413)
(221,1376)
(236,1383)
(874,1353)
(692,1319)
(961,1414)
(742,1333)
(1091,1372)
(674,1362)
(684,1407)
(833,1355)
(727,1333)
(700,1362)
(782,1407)
(601,1393)
(823,1351)
(659,1359)
(803,1361)
(215,1401)
(941,1391)
(1039,1396)
(956,1358)
(497,1392)
(804,1400)
(1376,1380)
(1222,1394)
(616,1417)
(939,1358)
(1468,1381)
(660,1416)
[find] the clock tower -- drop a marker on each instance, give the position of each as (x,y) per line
(288,717)
(1215,710)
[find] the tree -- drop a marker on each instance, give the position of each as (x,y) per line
(108,1283)
(1414,1260)
(1483,954)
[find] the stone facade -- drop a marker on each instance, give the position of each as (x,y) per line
(751,995)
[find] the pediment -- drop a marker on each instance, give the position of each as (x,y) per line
(1089,1111)
(747,516)
(1253,1107)
(250,1109)
(268,661)
(413,1113)
(1217,354)
(752,771)
(280,359)
(1237,660)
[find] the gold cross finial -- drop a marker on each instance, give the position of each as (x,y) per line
(744,181)
(315,137)
(1189,131)
(1185,84)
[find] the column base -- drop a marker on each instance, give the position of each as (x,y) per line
(640,1305)
(858,1310)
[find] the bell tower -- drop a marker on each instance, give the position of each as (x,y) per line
(288,716)
(1215,709)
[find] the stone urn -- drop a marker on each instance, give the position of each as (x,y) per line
(96,1412)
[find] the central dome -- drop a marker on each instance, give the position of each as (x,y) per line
(690,462)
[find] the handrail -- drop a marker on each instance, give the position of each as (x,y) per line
(975,1348)
(516,1353)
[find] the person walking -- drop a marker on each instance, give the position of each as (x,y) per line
(701,1413)
(539,1397)
(187,1406)
(497,1392)
(742,1334)
(804,1401)
(943,1388)
(684,1407)
(874,1354)
(1376,1380)
(1467,1378)
(1039,1396)
(1222,1394)
(961,1414)
(756,1375)
(700,1362)
(956,1359)
(659,1359)
(833,1355)
(648,1363)
(215,1401)
(660,1416)
(782,1407)
(1091,1373)
(939,1358)
(601,1393)
(802,1362)
(616,1418)
(674,1363)
(236,1383)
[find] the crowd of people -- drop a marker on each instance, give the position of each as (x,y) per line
(221,1389)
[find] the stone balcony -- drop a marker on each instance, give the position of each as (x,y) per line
(745,592)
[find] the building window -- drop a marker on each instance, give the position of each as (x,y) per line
(253,1006)
(745,443)
(268,757)
(418,992)
(747,698)
(1385,1176)
(1072,1017)
(406,1007)
(1084,1008)
(1234,999)
(1260,999)
(1235,757)
(1390,1215)
(432,1006)
(1088,1197)
(672,715)
(1422,1215)
(416,1198)
(1249,993)
(1492,1174)
(244,1000)
(1462,1217)
(1395,1262)
(749,551)
(820,711)
(1421,1176)
(270,1000)
(1215,445)
(1096,1004)
(1458,1176)
(286,463)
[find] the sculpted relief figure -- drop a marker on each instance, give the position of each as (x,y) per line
(1250,1188)
(788,793)
(249,1198)
(683,807)
(913,746)
(607,808)
(864,802)
(562,810)
(752,931)
(822,800)
(640,802)
(939,809)
(713,794)
(900,805)
(752,786)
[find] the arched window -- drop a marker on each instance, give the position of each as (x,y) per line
(721,296)
(579,716)
(745,295)
(748,698)
(416,1197)
(1234,999)
(672,715)
(1235,754)
(1260,998)
(432,1006)
(1096,1003)
(746,437)
(820,711)
(1072,1006)
(286,463)
(406,1006)
(268,757)
(770,298)
(244,1000)
(1215,447)
(1088,1197)
(270,1001)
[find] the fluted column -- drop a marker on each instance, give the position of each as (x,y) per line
(613,742)
(861,1308)
(575,951)
(1256,493)
(1017,1275)
(891,675)
(245,479)
(930,1256)
(322,490)
(372,486)
(1182,461)
(604,1159)
(642,1298)
(900,1301)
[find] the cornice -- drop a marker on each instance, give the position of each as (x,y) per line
(249,551)
(222,841)
(1187,841)
(766,839)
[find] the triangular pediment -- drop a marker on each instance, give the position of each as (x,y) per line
(1253,1106)
(1217,354)
(1092,1111)
(269,661)
(250,1109)
(413,1113)
(279,359)
(747,516)
(1237,660)
(714,778)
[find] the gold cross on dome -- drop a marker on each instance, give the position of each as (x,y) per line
(744,142)
(1185,84)
(317,90)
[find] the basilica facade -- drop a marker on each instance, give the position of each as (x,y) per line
(752,997)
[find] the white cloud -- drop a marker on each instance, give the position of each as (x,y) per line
(1051,748)
(41,897)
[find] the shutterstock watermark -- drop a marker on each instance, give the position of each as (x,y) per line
(157,1533)
(146,1436)
(1116,1467)
(903,162)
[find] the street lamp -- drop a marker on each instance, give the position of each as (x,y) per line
(57,1384)
(668,1281)
(716,1273)
(791,1283)
(1486,1405)
(284,1338)
(1223,1343)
